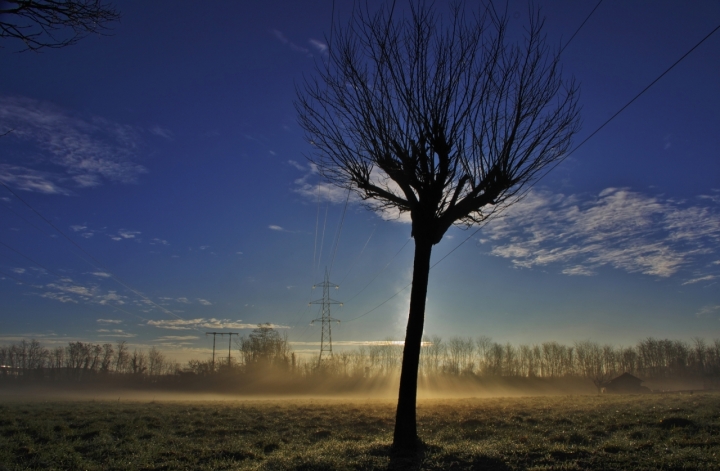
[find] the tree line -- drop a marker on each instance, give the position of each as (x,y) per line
(80,359)
(265,351)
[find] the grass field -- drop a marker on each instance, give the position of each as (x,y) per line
(671,431)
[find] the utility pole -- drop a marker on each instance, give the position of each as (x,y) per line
(213,334)
(230,334)
(325,317)
(229,344)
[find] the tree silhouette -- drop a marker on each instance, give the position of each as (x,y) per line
(43,24)
(439,116)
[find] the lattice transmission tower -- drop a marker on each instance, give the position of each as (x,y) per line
(325,317)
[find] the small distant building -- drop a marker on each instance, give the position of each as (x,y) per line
(626,384)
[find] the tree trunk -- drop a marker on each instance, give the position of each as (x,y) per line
(405,437)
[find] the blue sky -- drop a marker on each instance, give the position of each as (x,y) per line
(169,152)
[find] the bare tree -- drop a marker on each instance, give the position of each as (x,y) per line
(156,362)
(265,349)
(123,357)
(41,24)
(438,116)
(107,357)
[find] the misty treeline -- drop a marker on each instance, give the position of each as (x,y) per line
(649,359)
(79,360)
(265,353)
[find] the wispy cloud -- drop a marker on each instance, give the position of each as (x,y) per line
(162,132)
(203,323)
(321,47)
(124,234)
(314,190)
(28,179)
(297,165)
(119,333)
(281,37)
(109,321)
(619,228)
(69,291)
(85,151)
(204,302)
(699,279)
(708,310)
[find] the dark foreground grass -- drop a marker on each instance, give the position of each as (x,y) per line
(569,433)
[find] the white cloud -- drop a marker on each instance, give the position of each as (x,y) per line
(27,179)
(87,181)
(297,165)
(109,321)
(281,37)
(319,45)
(276,228)
(67,291)
(204,302)
(84,151)
(162,132)
(708,310)
(203,323)
(63,298)
(699,279)
(128,234)
(321,191)
(118,333)
(177,337)
(620,228)
(110,297)
(327,192)
(78,290)
(101,274)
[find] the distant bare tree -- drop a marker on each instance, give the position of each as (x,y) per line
(156,362)
(438,117)
(138,362)
(265,348)
(107,357)
(122,357)
(41,24)
(592,363)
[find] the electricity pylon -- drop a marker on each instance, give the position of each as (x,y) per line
(325,317)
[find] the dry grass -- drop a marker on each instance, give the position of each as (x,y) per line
(571,432)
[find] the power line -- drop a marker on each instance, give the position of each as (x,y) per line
(339,231)
(564,157)
(352,265)
(579,28)
(382,270)
(643,91)
(29,259)
(483,225)
(601,126)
